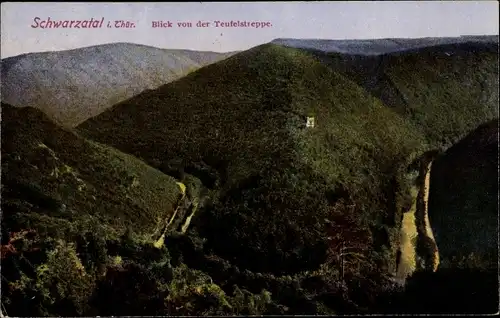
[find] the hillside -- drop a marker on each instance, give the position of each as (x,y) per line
(46,167)
(245,118)
(434,87)
(282,190)
(68,198)
(74,85)
(463,212)
(82,227)
(463,202)
(213,194)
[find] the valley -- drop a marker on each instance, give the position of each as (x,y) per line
(291,178)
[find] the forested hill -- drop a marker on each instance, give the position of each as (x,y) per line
(293,169)
(71,86)
(245,117)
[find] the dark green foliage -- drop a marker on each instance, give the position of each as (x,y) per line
(283,180)
(290,220)
(445,91)
(246,303)
(65,184)
(57,186)
(252,119)
(463,200)
(426,248)
(128,291)
(92,251)
(256,228)
(450,291)
(46,279)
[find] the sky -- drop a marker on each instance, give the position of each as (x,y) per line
(314,20)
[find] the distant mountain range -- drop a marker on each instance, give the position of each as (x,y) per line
(380,46)
(74,85)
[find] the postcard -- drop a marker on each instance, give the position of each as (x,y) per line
(249,159)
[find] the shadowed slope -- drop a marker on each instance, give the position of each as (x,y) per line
(463,213)
(464,200)
(58,183)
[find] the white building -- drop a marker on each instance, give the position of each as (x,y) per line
(310,122)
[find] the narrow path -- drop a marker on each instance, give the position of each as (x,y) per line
(409,233)
(408,239)
(161,240)
(428,228)
(194,207)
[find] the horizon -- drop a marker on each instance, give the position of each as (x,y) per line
(222,52)
(286,20)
